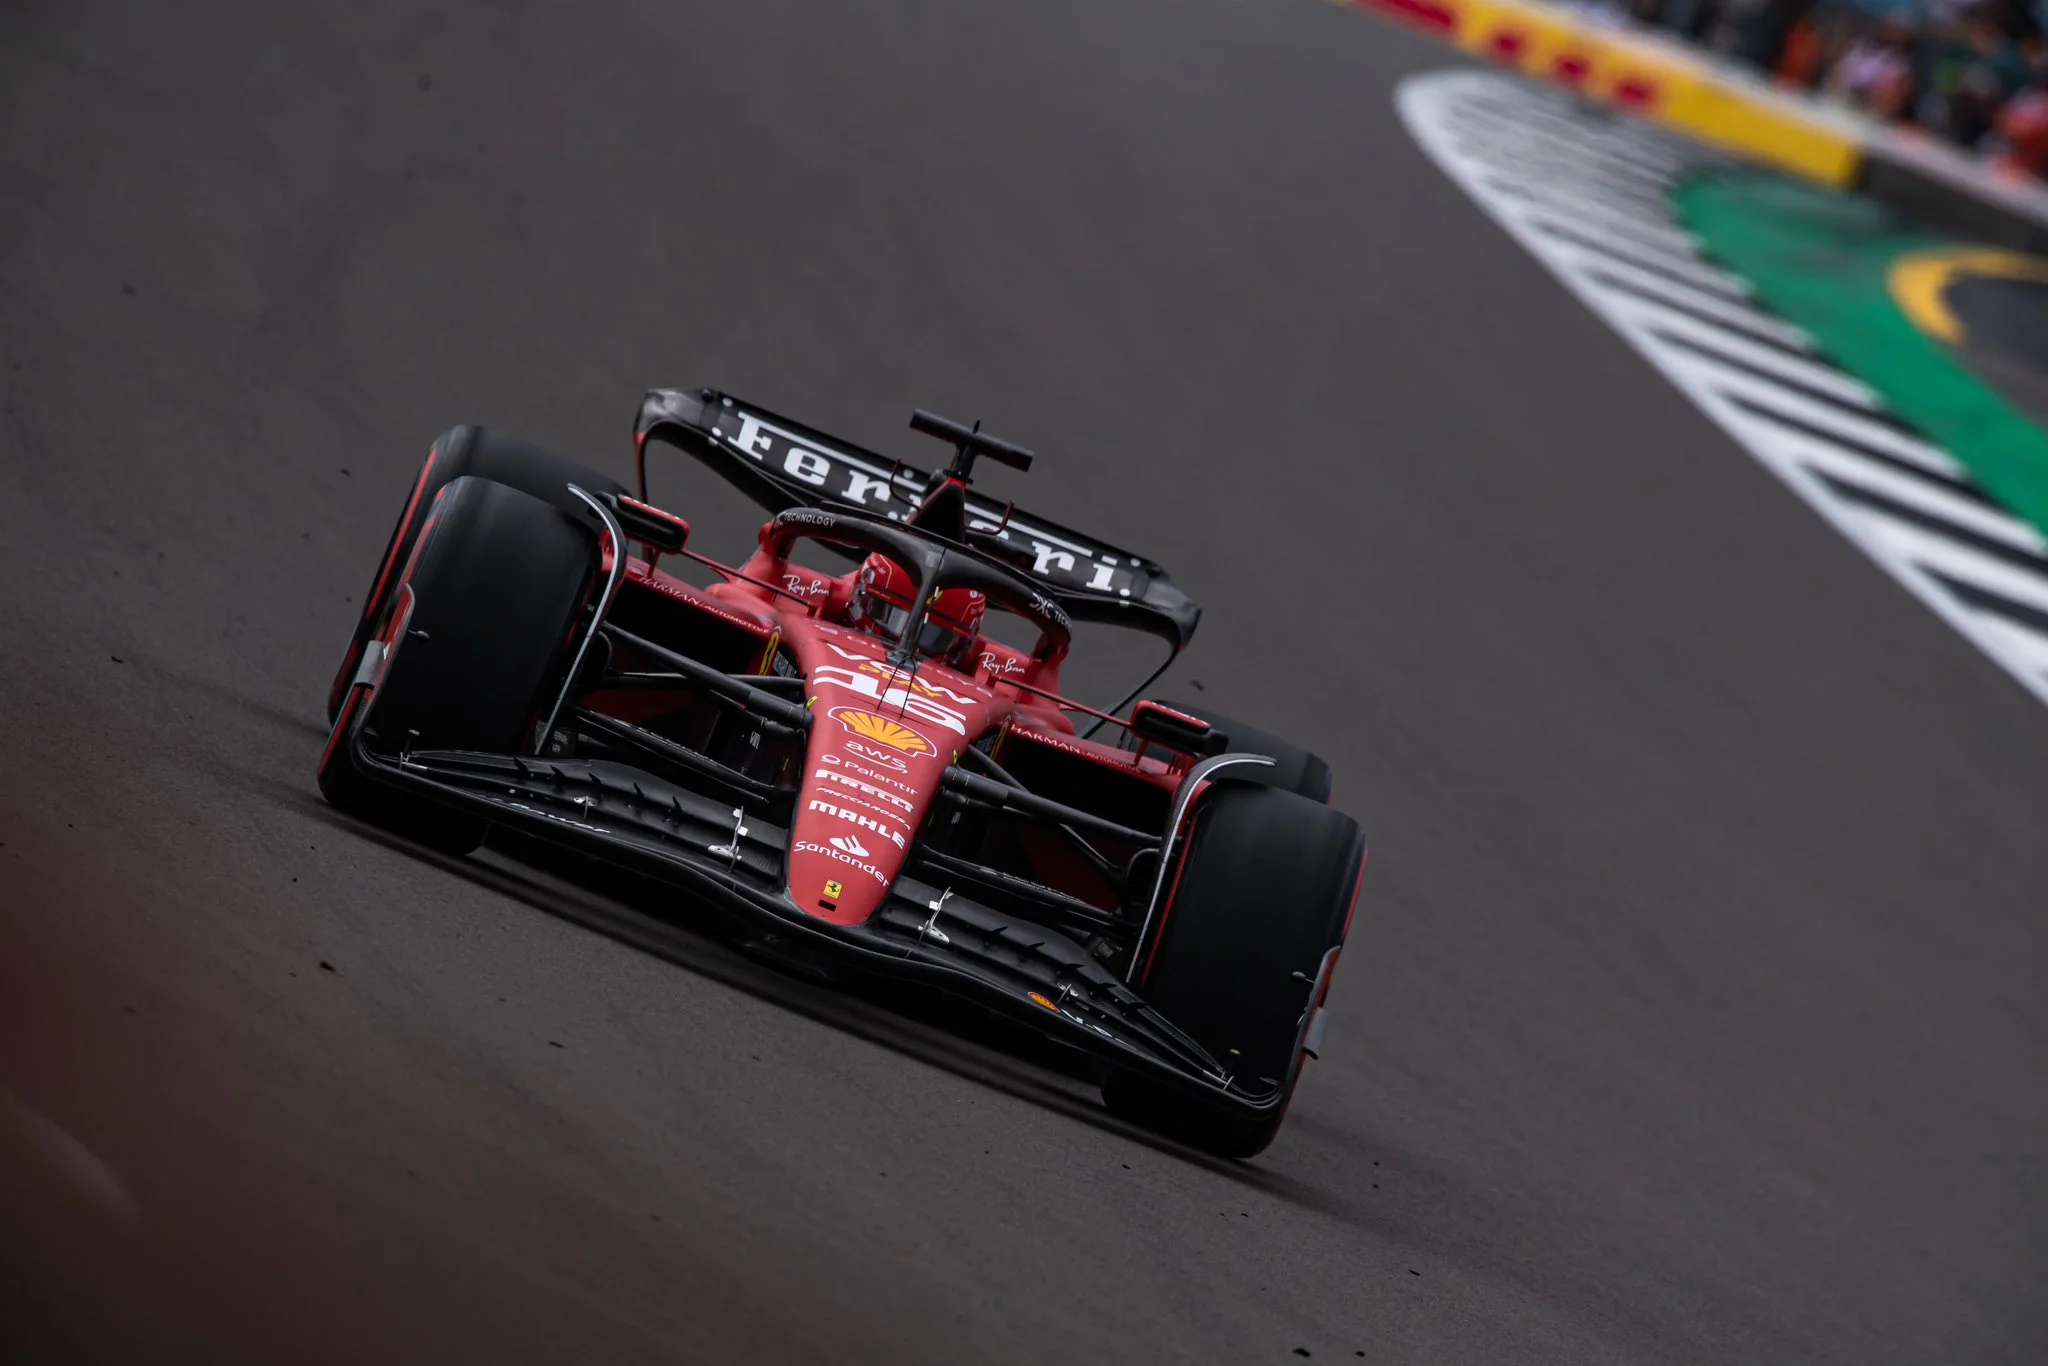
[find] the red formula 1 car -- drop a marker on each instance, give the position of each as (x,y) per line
(850,759)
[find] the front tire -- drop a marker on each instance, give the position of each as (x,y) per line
(460,452)
(474,649)
(1239,959)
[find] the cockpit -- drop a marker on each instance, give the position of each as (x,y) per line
(883,602)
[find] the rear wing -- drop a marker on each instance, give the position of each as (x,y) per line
(782,464)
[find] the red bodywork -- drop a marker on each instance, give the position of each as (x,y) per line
(773,746)
(883,736)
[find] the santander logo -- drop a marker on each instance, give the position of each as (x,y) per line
(847,844)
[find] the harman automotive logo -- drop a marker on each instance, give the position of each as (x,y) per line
(847,844)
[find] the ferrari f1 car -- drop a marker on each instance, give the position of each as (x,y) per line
(852,761)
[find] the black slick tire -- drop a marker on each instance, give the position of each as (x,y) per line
(459,452)
(1263,898)
(498,587)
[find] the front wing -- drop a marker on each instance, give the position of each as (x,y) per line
(735,862)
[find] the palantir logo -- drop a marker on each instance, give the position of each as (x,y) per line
(847,844)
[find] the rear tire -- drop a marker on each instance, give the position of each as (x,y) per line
(499,585)
(460,452)
(1294,768)
(1265,893)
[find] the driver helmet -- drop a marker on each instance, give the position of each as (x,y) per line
(883,595)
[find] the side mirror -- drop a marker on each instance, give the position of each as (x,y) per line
(1177,731)
(663,531)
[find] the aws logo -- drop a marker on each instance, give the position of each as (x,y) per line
(880,730)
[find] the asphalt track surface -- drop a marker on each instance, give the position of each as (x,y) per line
(1694,1011)
(2005,338)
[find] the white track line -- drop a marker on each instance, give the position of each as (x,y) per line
(1590,200)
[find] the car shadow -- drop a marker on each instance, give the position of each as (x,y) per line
(929,1027)
(909,1019)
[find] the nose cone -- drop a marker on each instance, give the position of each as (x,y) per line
(868,780)
(881,741)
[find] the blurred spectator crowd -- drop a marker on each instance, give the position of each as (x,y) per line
(1971,72)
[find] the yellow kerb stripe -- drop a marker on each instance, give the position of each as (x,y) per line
(1920,282)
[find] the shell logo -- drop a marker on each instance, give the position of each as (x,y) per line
(881,730)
